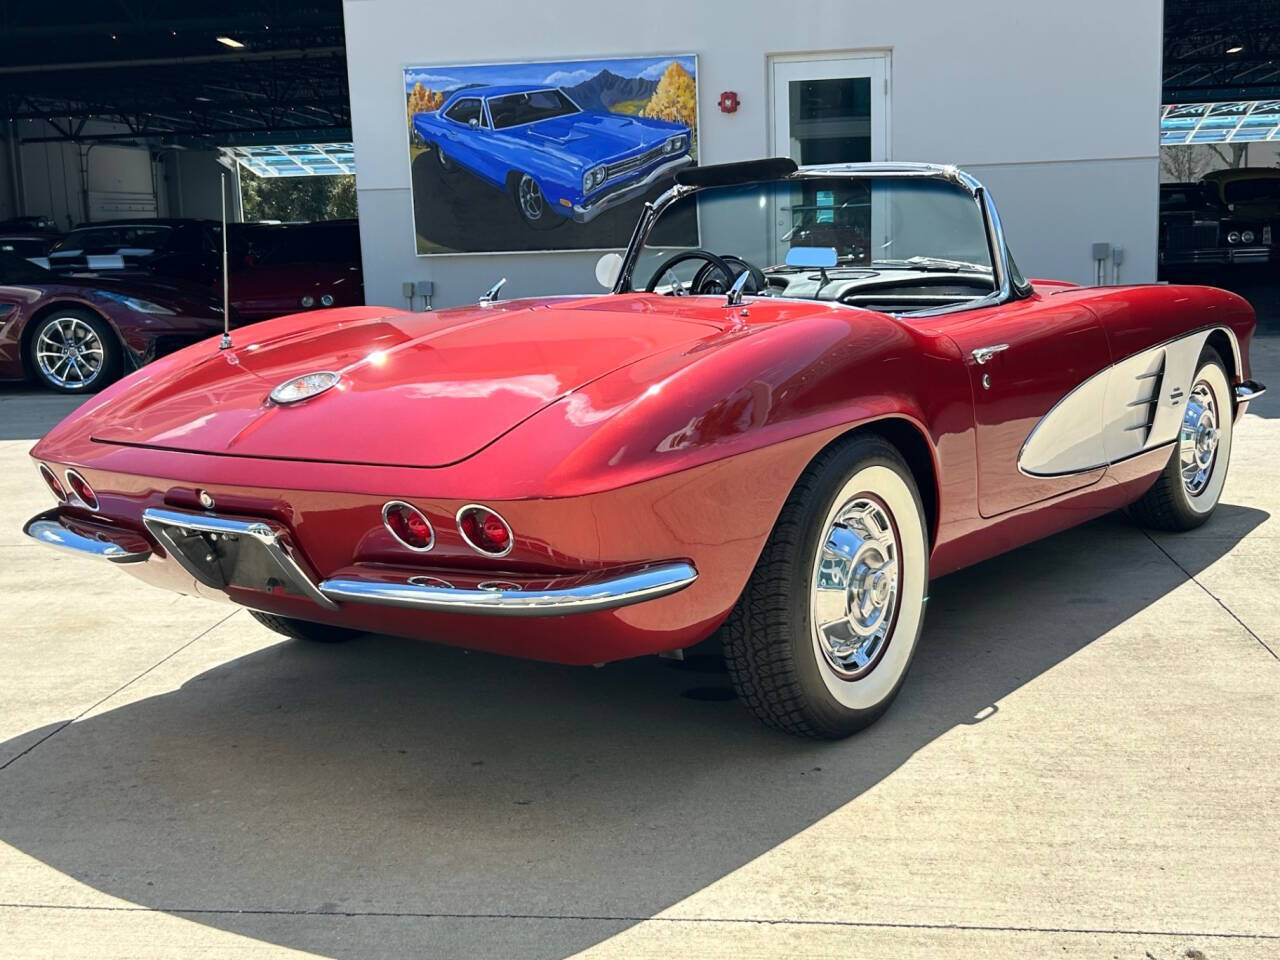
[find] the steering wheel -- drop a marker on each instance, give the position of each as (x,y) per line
(712,262)
(703,282)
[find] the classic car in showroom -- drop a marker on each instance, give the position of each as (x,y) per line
(78,334)
(282,267)
(781,443)
(1228,217)
(557,161)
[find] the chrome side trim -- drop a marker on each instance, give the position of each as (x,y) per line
(48,529)
(647,584)
(1247,390)
(1092,425)
(160,522)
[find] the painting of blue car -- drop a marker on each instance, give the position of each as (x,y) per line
(560,145)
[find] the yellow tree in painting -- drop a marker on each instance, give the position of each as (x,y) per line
(675,98)
(422,100)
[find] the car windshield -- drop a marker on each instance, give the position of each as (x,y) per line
(113,238)
(1252,191)
(16,269)
(896,242)
(513,109)
(1181,199)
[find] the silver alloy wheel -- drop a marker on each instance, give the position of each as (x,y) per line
(1198,439)
(530,197)
(445,162)
(69,352)
(854,599)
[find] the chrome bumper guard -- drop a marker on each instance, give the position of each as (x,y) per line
(586,212)
(87,539)
(1247,390)
(646,584)
(191,540)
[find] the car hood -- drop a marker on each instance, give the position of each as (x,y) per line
(415,389)
(600,136)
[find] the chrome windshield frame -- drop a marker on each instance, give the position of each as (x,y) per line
(1002,273)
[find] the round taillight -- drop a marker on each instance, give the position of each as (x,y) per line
(408,525)
(485,531)
(80,487)
(51,479)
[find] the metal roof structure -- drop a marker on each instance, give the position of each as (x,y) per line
(294,160)
(195,75)
(1238,121)
(1218,51)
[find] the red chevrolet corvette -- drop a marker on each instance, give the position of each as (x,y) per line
(808,392)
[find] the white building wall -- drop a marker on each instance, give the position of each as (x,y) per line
(1054,106)
(73,182)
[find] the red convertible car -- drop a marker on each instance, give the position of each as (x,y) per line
(782,443)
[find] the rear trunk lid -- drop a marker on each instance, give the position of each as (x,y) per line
(416,389)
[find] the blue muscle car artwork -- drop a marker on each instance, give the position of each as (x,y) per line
(543,155)
(556,160)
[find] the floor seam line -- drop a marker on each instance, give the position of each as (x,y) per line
(125,686)
(620,918)
(1192,577)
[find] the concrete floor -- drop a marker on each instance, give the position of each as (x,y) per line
(1082,763)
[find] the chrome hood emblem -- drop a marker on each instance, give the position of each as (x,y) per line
(304,387)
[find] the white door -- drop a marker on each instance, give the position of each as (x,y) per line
(830,109)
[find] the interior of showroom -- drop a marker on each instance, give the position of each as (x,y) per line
(137,110)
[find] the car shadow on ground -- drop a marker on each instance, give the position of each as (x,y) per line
(387,778)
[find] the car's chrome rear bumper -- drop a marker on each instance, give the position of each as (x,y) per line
(182,534)
(586,212)
(574,595)
(87,539)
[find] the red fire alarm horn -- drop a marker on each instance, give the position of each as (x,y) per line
(729,101)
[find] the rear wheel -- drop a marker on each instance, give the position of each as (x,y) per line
(820,641)
(304,629)
(445,161)
(1187,490)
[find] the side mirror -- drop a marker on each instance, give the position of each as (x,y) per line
(473,123)
(607,269)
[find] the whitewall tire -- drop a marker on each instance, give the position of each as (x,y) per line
(1188,489)
(821,639)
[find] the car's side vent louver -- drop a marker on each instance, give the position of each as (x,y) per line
(1149,385)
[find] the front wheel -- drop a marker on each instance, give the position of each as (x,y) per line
(73,351)
(820,641)
(1187,490)
(532,204)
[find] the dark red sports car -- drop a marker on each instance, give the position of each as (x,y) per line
(284,268)
(782,442)
(78,334)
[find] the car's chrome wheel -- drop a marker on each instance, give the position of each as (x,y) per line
(73,351)
(529,195)
(443,158)
(1198,439)
(69,352)
(820,641)
(854,598)
(1187,491)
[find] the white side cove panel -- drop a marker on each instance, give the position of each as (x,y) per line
(1132,406)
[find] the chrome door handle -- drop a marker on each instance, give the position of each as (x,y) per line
(984,354)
